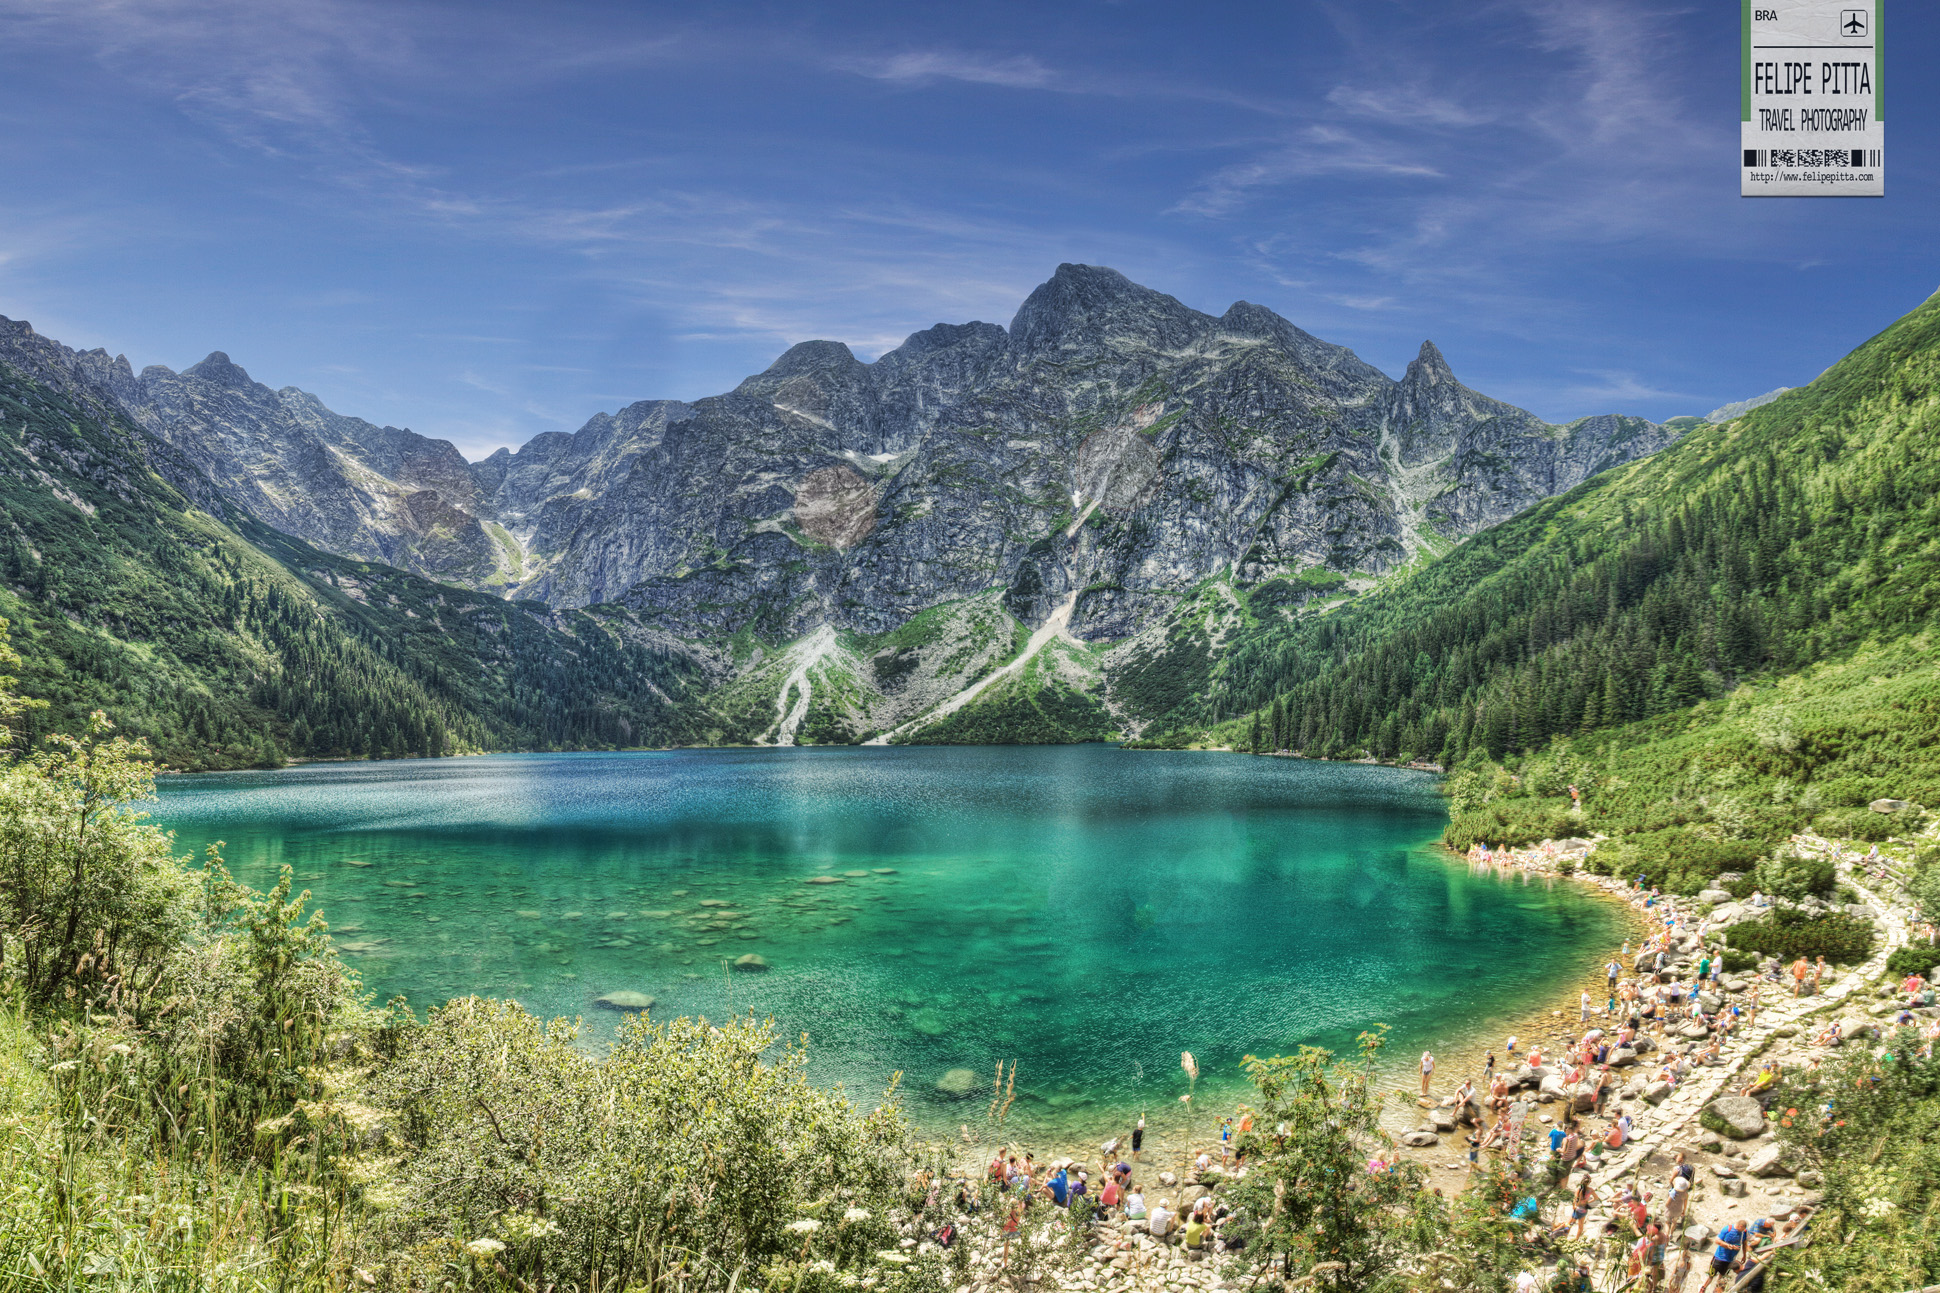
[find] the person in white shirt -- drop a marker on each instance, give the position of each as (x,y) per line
(1428,1069)
(1134,1206)
(1160,1221)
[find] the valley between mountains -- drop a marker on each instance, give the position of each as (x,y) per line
(1051,531)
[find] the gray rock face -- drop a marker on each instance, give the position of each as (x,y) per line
(1110,442)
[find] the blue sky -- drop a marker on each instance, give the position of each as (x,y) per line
(486,221)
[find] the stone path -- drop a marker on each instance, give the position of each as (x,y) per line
(1677,1116)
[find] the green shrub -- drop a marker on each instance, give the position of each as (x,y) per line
(690,1145)
(1505,823)
(1788,933)
(1737,962)
(1855,824)
(1679,859)
(1795,877)
(1913,960)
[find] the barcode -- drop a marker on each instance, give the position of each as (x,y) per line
(1764,158)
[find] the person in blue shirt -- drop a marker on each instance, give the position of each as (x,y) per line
(1731,1243)
(1060,1187)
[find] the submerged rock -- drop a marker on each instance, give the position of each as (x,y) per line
(752,962)
(957,1082)
(824,879)
(625,1001)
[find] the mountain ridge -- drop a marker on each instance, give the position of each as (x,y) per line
(1138,471)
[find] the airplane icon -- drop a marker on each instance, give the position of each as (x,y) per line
(1852,22)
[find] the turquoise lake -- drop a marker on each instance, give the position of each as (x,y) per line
(1084,911)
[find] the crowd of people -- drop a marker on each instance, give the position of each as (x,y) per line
(1113,1194)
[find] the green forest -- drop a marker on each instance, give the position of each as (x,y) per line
(226,644)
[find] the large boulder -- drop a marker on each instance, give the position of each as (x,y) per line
(1583,1097)
(1553,1088)
(1442,1120)
(1736,1116)
(1622,1057)
(1421,1139)
(1716,897)
(1731,983)
(1694,1031)
(1657,1092)
(1889,805)
(1643,1044)
(1710,1001)
(1775,1159)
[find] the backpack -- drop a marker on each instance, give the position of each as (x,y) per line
(946,1235)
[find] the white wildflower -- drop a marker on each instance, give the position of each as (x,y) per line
(856,1214)
(804,1225)
(485,1247)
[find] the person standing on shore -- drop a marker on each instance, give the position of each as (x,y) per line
(1138,1136)
(1427,1070)
(1583,1006)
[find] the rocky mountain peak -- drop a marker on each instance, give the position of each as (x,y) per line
(1084,306)
(809,357)
(945,336)
(1428,368)
(218,370)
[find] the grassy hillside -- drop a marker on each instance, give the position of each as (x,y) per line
(230,645)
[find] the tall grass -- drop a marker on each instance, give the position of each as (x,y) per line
(92,1202)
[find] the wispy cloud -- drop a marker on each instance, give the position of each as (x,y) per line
(1618,388)
(909,67)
